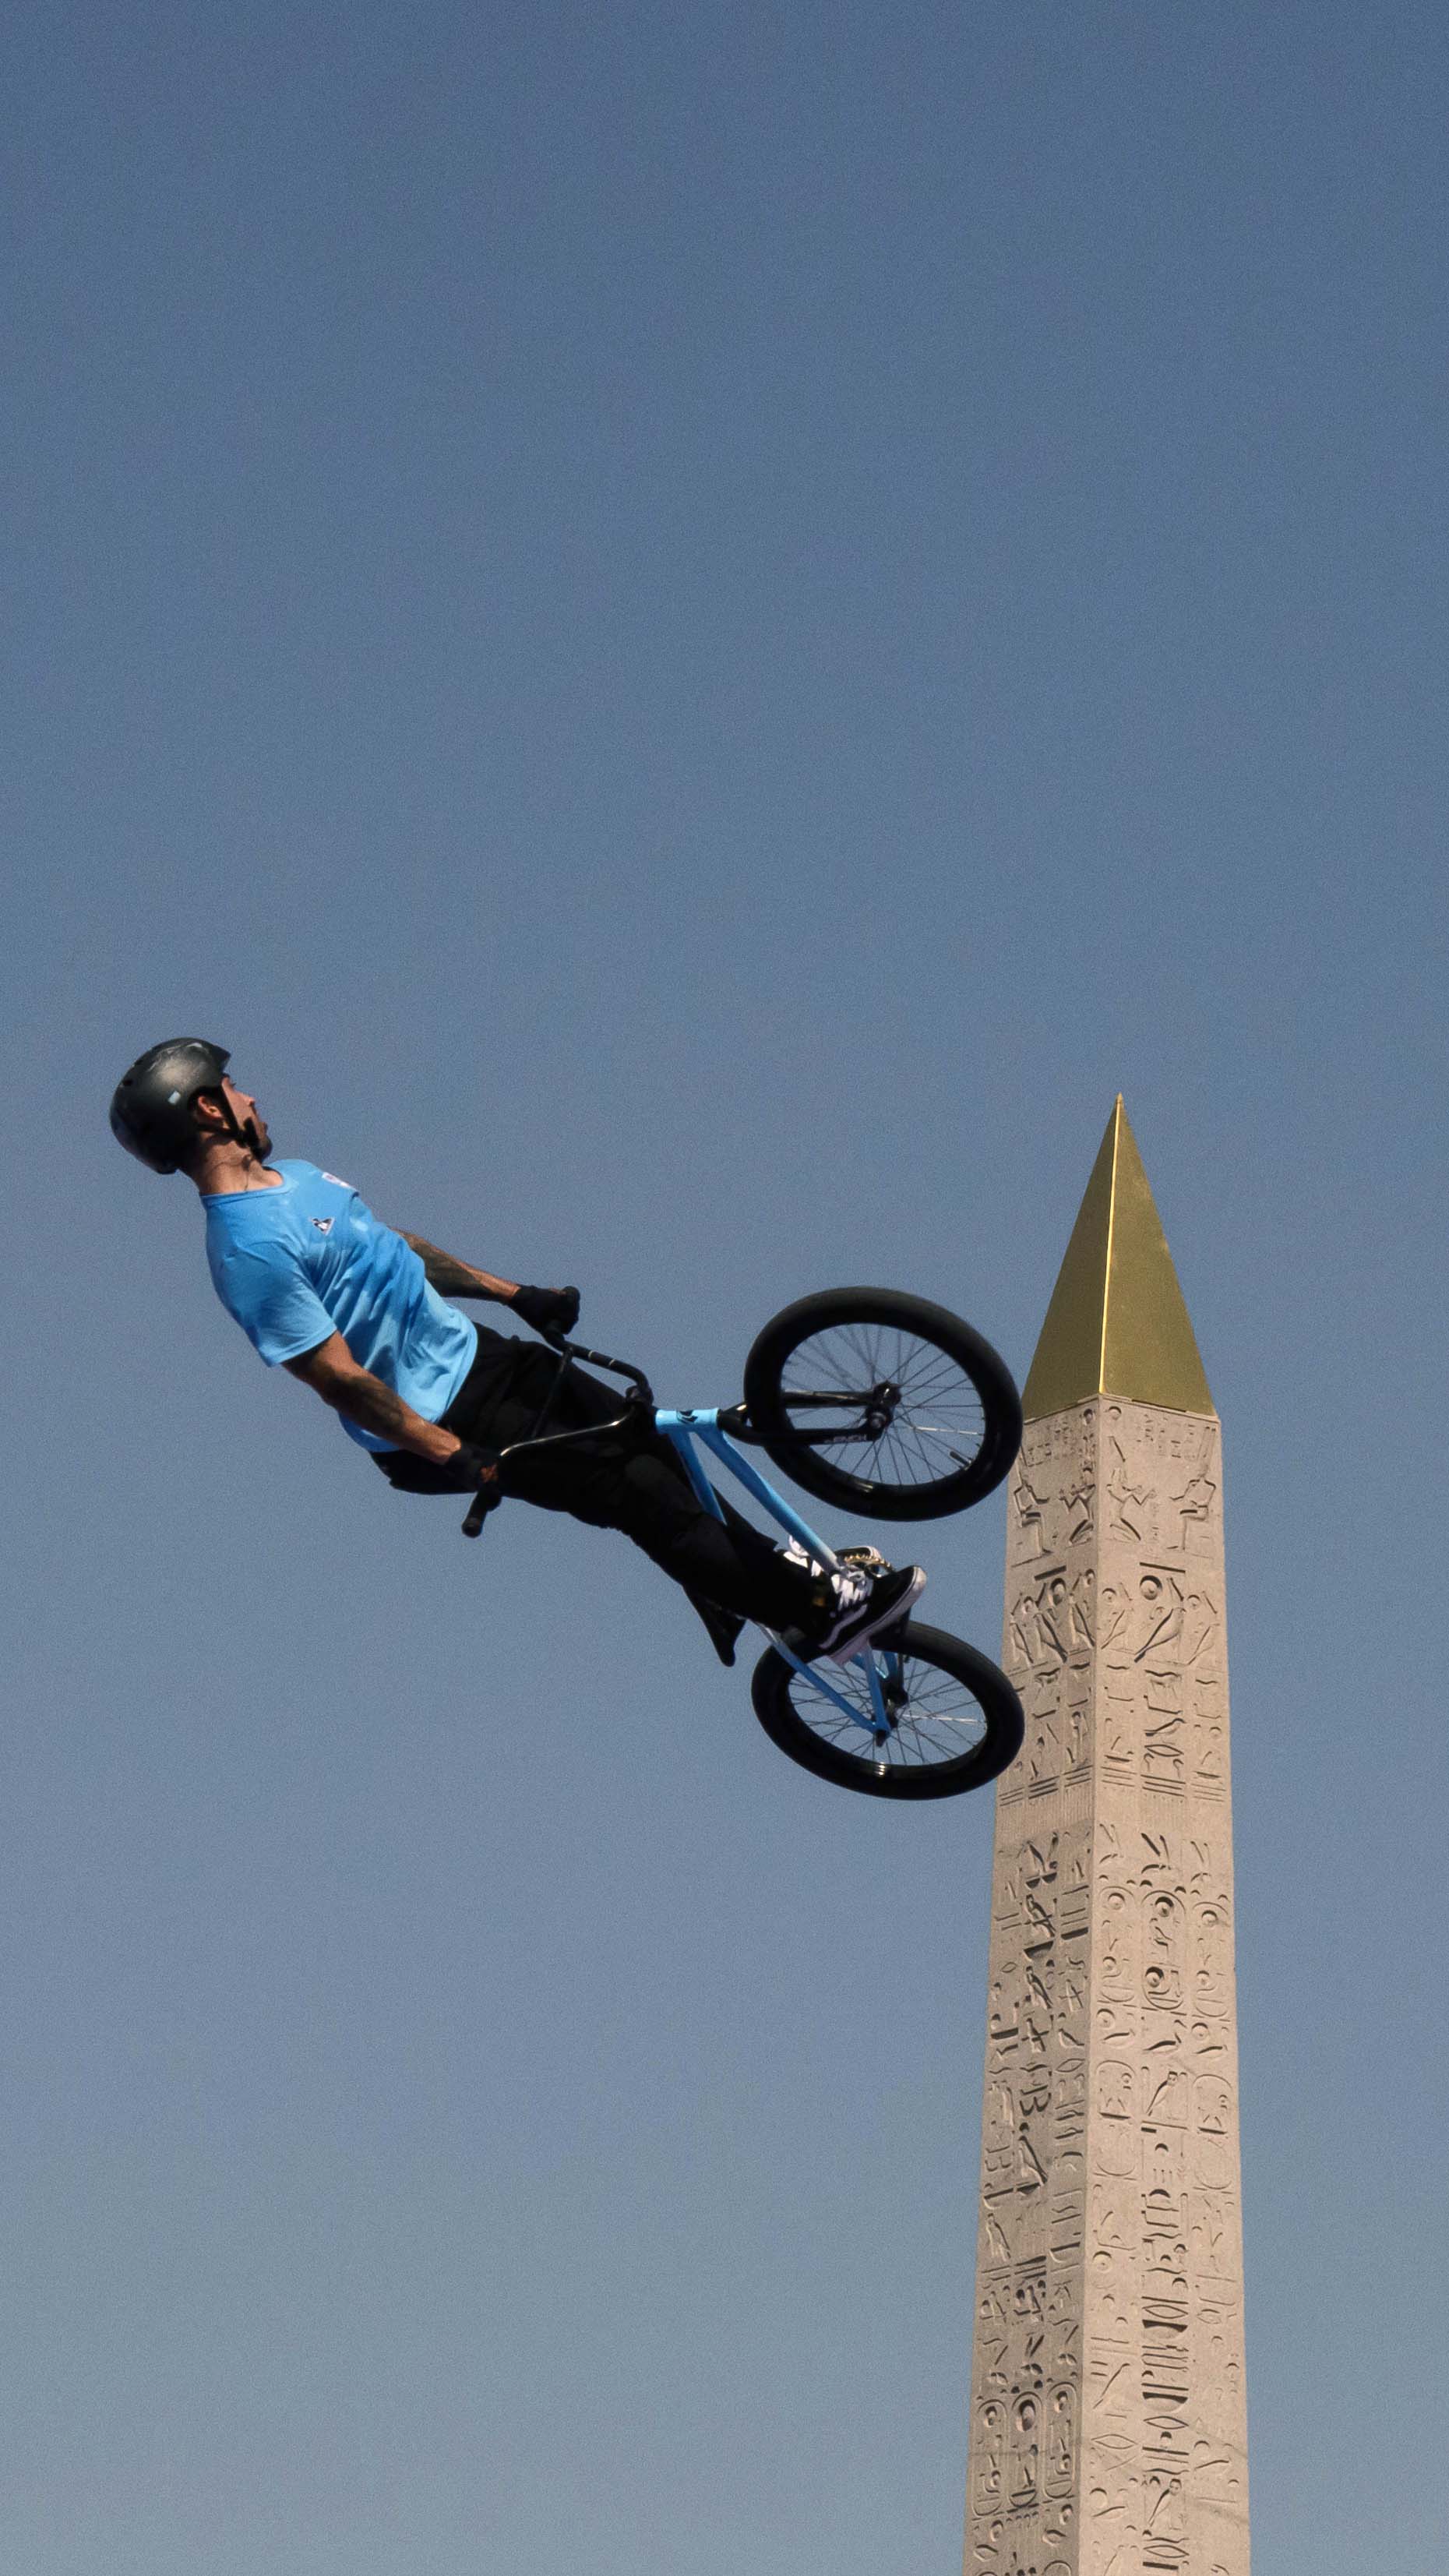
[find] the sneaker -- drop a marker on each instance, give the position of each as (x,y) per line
(794,1554)
(865,1604)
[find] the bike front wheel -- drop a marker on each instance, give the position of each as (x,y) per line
(954,1719)
(883,1403)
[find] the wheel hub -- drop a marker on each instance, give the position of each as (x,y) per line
(880,1408)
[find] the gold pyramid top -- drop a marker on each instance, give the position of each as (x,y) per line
(1117,1324)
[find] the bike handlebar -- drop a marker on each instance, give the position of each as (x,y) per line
(640,1393)
(643,1391)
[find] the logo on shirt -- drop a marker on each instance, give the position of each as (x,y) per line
(337,1181)
(323,1224)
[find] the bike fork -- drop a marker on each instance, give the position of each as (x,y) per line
(880,1721)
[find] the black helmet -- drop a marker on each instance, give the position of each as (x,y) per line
(151,1107)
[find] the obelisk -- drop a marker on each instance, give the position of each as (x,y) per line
(1108,2420)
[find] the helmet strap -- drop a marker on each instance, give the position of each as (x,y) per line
(241,1133)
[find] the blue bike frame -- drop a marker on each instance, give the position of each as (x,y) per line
(684,1429)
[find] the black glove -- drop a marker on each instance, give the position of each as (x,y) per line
(550,1311)
(477,1474)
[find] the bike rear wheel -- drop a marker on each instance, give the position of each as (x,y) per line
(956,1721)
(883,1403)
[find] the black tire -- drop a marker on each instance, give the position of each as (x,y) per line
(918,1761)
(853,1340)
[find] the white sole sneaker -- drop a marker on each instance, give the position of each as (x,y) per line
(891,1597)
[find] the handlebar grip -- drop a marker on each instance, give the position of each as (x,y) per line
(478,1511)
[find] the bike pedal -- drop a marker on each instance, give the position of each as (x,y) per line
(869,1560)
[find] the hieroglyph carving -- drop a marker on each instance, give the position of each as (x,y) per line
(1108,2425)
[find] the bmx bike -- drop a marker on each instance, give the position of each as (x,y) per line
(882,1403)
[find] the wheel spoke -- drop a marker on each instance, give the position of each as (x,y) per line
(938,1421)
(941,1719)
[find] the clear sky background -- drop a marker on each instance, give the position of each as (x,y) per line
(695,632)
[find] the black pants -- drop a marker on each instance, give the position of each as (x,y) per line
(632,1481)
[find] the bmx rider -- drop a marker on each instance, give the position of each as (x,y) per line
(363,1314)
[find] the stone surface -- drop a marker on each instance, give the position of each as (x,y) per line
(1108,2422)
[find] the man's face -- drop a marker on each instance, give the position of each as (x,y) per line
(244,1107)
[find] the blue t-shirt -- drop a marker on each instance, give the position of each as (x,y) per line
(308,1259)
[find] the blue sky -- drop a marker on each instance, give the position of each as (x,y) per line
(695,634)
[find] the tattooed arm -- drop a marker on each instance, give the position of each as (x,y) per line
(333,1373)
(550,1311)
(457,1278)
